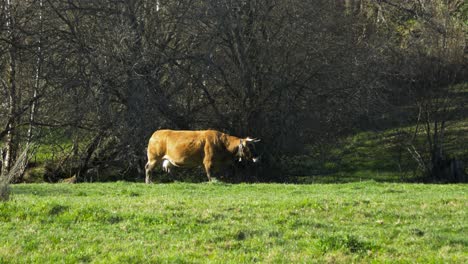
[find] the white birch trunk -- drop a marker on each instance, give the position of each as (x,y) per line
(12,97)
(37,74)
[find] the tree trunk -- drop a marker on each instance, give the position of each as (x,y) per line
(34,104)
(10,144)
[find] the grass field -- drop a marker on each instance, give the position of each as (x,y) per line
(220,223)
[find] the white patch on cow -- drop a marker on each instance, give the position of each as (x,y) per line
(166,166)
(255,159)
(168,163)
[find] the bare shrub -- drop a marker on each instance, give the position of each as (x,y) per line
(15,171)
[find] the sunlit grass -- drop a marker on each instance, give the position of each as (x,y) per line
(222,223)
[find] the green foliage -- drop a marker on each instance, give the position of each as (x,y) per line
(223,223)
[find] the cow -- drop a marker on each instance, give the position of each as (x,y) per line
(185,148)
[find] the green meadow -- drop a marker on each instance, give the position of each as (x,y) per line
(363,222)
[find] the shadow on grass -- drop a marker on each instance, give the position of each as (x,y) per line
(357,176)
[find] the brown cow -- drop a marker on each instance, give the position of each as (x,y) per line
(210,148)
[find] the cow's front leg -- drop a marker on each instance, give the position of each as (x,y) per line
(228,173)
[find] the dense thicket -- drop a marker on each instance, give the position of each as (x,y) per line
(85,83)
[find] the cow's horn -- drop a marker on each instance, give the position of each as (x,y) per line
(254,140)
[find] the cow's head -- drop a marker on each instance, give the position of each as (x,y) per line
(247,150)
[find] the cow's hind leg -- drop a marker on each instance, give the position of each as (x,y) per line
(148,169)
(208,169)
